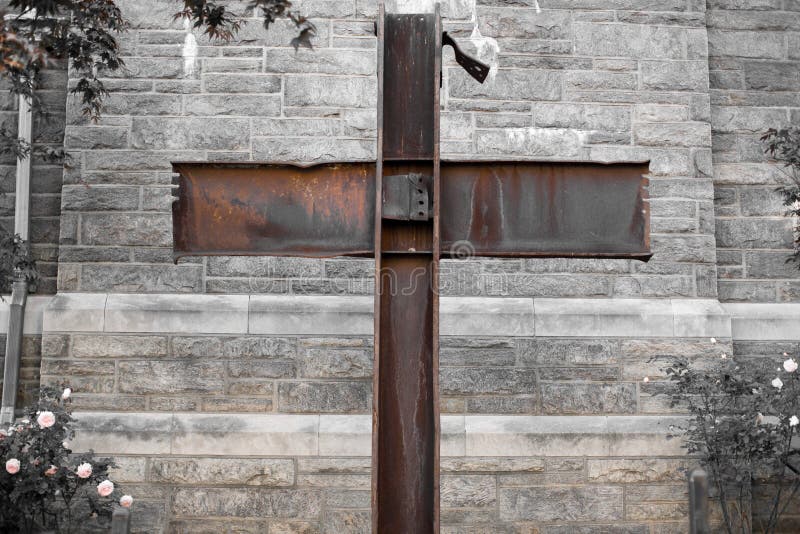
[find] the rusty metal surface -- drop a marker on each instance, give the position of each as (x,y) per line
(240,209)
(406,497)
(408,87)
(545,209)
(406,438)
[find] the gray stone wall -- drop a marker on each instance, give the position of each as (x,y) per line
(594,80)
(46,174)
(754,49)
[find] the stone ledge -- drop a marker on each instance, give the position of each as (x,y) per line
(34,313)
(461,316)
(188,434)
(764,322)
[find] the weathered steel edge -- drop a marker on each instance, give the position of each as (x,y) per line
(522,159)
(466,316)
(268,435)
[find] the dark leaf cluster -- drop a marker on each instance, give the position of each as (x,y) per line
(783,145)
(741,428)
(16,260)
(218,22)
(79,32)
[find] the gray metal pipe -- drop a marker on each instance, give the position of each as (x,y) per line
(19,292)
(16,316)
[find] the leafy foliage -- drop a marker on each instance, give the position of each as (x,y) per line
(741,428)
(784,147)
(219,22)
(15,257)
(47,493)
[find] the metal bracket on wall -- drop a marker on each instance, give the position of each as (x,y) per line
(406,197)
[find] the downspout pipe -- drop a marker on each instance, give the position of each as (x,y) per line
(19,291)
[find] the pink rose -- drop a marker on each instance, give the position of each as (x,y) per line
(84,470)
(46,419)
(12,466)
(105,488)
(52,471)
(126,501)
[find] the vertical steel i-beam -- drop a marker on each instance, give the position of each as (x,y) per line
(405,388)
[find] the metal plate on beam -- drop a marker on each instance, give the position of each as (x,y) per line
(547,209)
(283,210)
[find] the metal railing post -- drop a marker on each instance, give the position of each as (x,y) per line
(121,520)
(698,502)
(16,315)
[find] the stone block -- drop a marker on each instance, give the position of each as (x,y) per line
(94,346)
(481,380)
(627,471)
(700,318)
(543,351)
(322,61)
(594,81)
(757,321)
(230,82)
(582,116)
(176,133)
(171,377)
(629,40)
(468,491)
(486,317)
(75,312)
(126,229)
(512,84)
(588,398)
(760,202)
(675,75)
(576,503)
(234,104)
(207,314)
(324,397)
(330,91)
(322,150)
(261,369)
(142,278)
(341,363)
(273,314)
(502,404)
(513,22)
(122,433)
(223,471)
(772,76)
(775,233)
(245,435)
(530,142)
(99,198)
(250,347)
(745,44)
(345,435)
(688,134)
(250,502)
(347,522)
(296,127)
(607,318)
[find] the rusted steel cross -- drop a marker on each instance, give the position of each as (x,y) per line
(408,210)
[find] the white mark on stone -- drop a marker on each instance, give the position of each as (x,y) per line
(189,51)
(411,6)
(487,47)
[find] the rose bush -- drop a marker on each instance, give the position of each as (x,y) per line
(44,486)
(744,416)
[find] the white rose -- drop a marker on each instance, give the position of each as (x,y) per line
(793,420)
(105,488)
(777,383)
(790,366)
(84,470)
(46,419)
(66,394)
(126,501)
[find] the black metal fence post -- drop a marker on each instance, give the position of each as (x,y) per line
(121,520)
(698,501)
